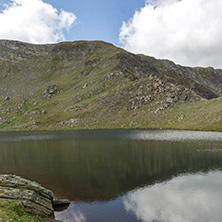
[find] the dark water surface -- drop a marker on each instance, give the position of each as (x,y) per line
(123,175)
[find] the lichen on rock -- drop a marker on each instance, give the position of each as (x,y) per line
(35,198)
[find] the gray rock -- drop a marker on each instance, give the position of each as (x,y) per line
(77,107)
(85,85)
(50,91)
(169,100)
(37,199)
(7,98)
(60,202)
(43,112)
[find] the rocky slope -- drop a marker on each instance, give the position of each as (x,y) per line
(96,85)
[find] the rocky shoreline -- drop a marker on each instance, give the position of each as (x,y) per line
(36,199)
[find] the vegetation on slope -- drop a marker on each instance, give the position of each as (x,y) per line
(88,85)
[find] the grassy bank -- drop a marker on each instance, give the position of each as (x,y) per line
(13,210)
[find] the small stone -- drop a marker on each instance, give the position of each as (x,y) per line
(85,85)
(50,91)
(60,202)
(43,112)
(7,98)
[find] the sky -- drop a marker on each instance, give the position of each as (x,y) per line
(95,19)
(187,32)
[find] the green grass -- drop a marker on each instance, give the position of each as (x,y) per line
(13,210)
(63,66)
(202,115)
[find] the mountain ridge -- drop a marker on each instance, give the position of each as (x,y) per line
(93,84)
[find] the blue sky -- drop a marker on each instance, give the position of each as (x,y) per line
(187,32)
(98,19)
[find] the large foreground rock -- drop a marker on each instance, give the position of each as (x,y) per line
(37,199)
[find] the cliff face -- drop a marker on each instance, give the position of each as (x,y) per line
(96,85)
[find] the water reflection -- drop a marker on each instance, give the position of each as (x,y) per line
(186,198)
(189,198)
(122,175)
(103,169)
(111,211)
(71,215)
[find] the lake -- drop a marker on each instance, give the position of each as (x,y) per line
(122,175)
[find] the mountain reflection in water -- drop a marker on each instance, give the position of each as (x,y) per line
(120,175)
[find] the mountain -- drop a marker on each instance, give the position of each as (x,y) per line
(93,84)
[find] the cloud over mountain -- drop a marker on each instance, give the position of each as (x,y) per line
(186,31)
(34,21)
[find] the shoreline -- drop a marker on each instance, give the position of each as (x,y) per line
(104,128)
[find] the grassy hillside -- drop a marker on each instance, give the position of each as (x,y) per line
(88,85)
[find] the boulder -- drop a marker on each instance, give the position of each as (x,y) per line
(61,202)
(50,91)
(35,198)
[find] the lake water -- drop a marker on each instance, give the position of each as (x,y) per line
(122,175)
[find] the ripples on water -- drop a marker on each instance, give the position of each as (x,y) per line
(161,135)
(123,175)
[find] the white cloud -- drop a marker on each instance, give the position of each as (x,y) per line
(187,198)
(34,21)
(186,31)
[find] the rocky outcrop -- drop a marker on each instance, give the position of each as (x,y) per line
(77,107)
(35,198)
(50,91)
(166,94)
